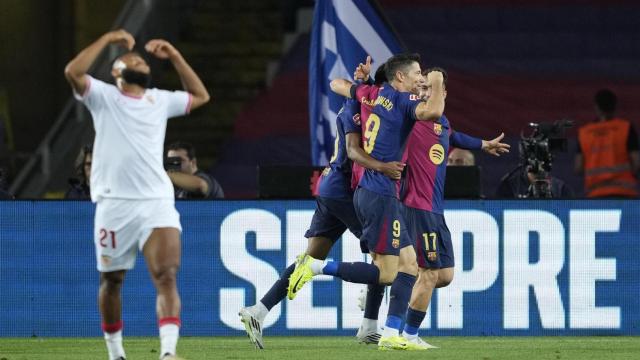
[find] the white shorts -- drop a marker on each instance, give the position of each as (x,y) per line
(123,226)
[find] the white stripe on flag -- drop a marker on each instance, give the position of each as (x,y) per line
(328,39)
(362,31)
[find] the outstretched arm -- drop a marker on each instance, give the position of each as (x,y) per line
(392,169)
(77,68)
(495,147)
(191,83)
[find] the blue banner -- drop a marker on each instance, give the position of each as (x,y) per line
(344,32)
(522,268)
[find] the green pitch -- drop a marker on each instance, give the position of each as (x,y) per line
(329,348)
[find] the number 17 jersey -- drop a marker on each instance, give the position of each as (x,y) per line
(385,133)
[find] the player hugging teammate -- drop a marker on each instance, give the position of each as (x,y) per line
(402,126)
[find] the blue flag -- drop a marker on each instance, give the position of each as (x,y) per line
(344,32)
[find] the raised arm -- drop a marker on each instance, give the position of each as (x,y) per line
(341,87)
(433,108)
(77,68)
(191,83)
(392,169)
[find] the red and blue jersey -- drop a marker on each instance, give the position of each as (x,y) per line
(366,94)
(385,133)
(426,158)
(335,181)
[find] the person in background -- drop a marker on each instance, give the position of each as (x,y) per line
(461,157)
(79,186)
(188,181)
(608,153)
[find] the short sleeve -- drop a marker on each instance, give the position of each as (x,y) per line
(350,117)
(407,104)
(93,93)
(178,103)
(351,124)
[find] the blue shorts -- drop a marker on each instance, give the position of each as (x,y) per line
(383,226)
(431,238)
(332,218)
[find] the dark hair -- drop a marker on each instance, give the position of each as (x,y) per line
(606,101)
(436,68)
(82,156)
(400,62)
(182,145)
(381,75)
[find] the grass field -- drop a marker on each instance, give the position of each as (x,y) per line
(325,348)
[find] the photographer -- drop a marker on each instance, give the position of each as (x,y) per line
(531,178)
(189,182)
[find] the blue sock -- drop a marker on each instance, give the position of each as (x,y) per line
(414,320)
(375,293)
(355,272)
(278,291)
(400,296)
(393,322)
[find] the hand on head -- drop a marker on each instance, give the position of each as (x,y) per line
(122,38)
(161,49)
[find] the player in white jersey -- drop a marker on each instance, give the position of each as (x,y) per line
(133,194)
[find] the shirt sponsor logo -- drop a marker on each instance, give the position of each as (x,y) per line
(436,154)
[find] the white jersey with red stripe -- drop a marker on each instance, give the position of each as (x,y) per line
(128,149)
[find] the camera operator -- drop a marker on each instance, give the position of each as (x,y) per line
(517,184)
(531,178)
(608,152)
(189,182)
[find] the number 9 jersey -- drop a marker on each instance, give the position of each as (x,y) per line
(385,133)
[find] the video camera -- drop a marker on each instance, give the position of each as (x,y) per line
(536,153)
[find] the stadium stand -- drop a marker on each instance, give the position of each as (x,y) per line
(489,50)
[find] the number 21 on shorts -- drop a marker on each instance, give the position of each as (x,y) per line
(107,238)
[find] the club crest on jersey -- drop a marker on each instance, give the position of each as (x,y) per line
(150,99)
(432,256)
(437,128)
(436,154)
(356,119)
(395,243)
